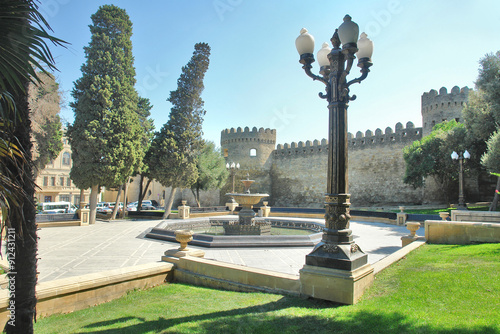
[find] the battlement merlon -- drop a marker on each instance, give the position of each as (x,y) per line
(434,99)
(361,140)
(260,135)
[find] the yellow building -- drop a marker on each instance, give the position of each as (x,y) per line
(54,181)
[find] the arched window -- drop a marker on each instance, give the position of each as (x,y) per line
(66,158)
(253,152)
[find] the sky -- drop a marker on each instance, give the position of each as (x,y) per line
(255,79)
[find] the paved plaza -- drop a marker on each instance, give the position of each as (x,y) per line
(77,250)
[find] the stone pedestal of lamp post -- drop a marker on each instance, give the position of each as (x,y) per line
(265,210)
(183,210)
(401,216)
(83,214)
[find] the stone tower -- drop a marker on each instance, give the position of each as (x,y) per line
(437,108)
(252,149)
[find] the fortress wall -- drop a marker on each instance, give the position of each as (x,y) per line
(237,145)
(376,169)
(252,149)
(376,176)
(295,174)
(298,174)
(442,106)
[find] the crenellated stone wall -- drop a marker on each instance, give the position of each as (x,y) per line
(298,174)
(444,106)
(295,174)
(252,149)
(376,169)
(390,137)
(249,147)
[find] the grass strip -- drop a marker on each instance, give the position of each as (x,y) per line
(435,289)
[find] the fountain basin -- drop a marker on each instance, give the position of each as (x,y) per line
(247,215)
(165,231)
(247,199)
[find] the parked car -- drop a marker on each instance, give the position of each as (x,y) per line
(146,205)
(111,205)
(103,207)
(56,207)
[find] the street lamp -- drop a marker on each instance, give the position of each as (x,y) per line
(337,249)
(232,168)
(461,198)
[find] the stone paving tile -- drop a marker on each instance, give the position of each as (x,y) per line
(77,250)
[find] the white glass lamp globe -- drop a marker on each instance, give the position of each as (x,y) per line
(322,55)
(466,155)
(454,155)
(348,31)
(305,42)
(365,47)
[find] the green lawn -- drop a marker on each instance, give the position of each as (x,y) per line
(435,289)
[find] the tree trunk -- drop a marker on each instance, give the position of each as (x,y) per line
(168,205)
(117,203)
(494,203)
(82,198)
(142,193)
(94,192)
(21,236)
(196,196)
(125,202)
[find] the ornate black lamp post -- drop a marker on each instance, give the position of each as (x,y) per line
(232,168)
(337,249)
(461,197)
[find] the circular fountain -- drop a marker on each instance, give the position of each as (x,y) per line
(247,231)
(246,224)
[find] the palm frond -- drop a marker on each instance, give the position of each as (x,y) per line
(23,47)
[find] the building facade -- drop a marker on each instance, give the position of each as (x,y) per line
(54,180)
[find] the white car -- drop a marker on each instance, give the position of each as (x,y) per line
(146,205)
(103,207)
(56,207)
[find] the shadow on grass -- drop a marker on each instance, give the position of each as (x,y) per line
(269,318)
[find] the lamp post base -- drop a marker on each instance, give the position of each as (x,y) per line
(340,286)
(337,249)
(337,256)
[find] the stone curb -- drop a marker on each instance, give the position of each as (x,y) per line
(396,256)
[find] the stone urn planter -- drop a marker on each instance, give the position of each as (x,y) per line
(444,215)
(183,236)
(413,227)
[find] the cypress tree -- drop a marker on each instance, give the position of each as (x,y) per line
(171,157)
(212,172)
(106,134)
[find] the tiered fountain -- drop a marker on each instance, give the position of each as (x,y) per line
(247,231)
(247,225)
